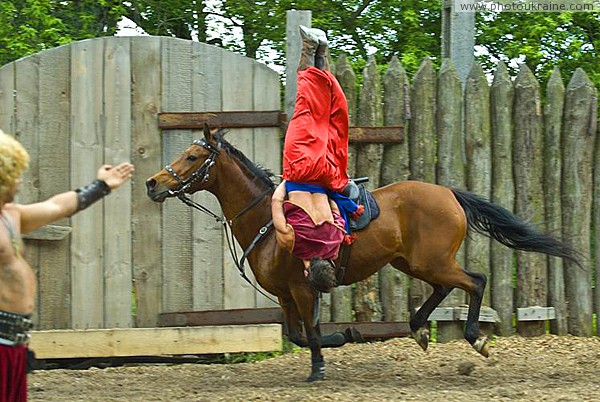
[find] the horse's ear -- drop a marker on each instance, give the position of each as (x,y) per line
(208,134)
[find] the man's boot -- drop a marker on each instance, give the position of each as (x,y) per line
(314,45)
(321,61)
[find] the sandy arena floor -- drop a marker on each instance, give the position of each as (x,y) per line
(547,368)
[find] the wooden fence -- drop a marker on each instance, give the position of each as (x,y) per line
(533,154)
(97,101)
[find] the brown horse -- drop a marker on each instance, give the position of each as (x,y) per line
(419,231)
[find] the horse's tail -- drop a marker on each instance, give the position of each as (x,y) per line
(500,224)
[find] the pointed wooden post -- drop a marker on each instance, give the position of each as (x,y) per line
(422,147)
(579,134)
(529,198)
(503,193)
(395,167)
(479,164)
(450,169)
(341,297)
(366,293)
(553,118)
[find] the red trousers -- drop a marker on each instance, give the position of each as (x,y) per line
(316,142)
(13,373)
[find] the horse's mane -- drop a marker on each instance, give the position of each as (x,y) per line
(262,173)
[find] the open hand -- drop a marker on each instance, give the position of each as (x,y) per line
(115,176)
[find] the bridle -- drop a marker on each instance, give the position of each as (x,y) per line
(202,174)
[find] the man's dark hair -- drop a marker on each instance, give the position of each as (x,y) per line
(321,275)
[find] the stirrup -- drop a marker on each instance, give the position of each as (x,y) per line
(314,35)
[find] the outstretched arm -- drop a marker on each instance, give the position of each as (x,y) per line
(34,216)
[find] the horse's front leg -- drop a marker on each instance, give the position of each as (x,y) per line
(305,302)
(292,322)
(317,363)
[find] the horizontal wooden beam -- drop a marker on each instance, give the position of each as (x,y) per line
(59,344)
(241,316)
(269,118)
(486,314)
(376,134)
(49,232)
(242,119)
(536,313)
(368,330)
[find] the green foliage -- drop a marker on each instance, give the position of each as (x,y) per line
(29,26)
(288,347)
(410,29)
(177,18)
(233,358)
(542,41)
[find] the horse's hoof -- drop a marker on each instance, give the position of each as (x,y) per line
(317,372)
(422,337)
(482,345)
(315,377)
(353,335)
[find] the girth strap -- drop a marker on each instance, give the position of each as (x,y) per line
(342,262)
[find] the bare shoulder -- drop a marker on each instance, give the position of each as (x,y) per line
(13,210)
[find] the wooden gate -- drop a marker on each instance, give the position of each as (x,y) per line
(96,101)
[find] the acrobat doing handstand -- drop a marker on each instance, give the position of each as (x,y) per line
(311,207)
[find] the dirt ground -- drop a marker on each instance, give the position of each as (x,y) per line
(547,368)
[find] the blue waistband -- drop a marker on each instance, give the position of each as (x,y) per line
(311,188)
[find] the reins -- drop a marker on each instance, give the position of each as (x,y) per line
(202,173)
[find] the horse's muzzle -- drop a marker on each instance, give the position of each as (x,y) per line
(156,192)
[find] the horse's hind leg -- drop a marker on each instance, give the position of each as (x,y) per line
(479,343)
(418,323)
(443,281)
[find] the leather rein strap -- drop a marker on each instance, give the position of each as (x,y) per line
(202,173)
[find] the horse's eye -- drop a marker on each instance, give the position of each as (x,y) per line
(192,158)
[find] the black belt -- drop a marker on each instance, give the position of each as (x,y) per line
(14,328)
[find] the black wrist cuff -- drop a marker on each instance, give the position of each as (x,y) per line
(87,195)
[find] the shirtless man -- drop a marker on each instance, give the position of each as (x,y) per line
(17,279)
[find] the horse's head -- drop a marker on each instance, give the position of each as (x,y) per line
(189,173)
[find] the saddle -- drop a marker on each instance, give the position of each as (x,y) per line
(357,192)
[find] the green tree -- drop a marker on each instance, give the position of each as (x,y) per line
(178,18)
(410,29)
(542,41)
(29,26)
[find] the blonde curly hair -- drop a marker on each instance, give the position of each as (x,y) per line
(14,160)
